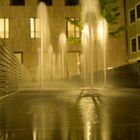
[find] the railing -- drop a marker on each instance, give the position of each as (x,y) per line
(11,71)
(126,76)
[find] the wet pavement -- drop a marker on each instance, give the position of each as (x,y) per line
(108,114)
(40,115)
(119,114)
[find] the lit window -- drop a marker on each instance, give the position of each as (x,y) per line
(133,45)
(17,2)
(139,42)
(71,2)
(138,11)
(132,15)
(34,27)
(4,27)
(72,28)
(47,2)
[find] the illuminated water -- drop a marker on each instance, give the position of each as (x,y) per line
(45,41)
(93,58)
(57,114)
(62,55)
(94,40)
(51,63)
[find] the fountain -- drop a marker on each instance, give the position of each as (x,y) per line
(94,40)
(93,58)
(47,66)
(56,114)
(62,55)
(45,41)
(102,35)
(51,63)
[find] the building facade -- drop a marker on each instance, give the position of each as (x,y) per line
(132,10)
(117,54)
(19,30)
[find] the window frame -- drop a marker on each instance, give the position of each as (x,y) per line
(5,29)
(34,28)
(130,16)
(19,52)
(12,1)
(138,43)
(136,11)
(131,44)
(45,1)
(74,29)
(74,4)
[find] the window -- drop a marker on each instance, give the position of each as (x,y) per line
(19,56)
(17,2)
(138,42)
(73,63)
(4,27)
(138,11)
(34,28)
(72,28)
(133,45)
(132,15)
(47,2)
(71,2)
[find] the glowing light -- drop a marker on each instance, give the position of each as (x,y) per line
(34,134)
(62,39)
(88,130)
(110,68)
(45,39)
(62,52)
(50,63)
(85,35)
(87,7)
(102,30)
(86,30)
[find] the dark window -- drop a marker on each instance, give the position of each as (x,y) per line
(133,44)
(47,2)
(71,2)
(19,56)
(132,15)
(17,2)
(139,42)
(138,11)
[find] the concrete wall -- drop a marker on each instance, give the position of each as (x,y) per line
(117,47)
(19,39)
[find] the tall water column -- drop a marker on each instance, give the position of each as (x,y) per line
(94,38)
(62,55)
(45,40)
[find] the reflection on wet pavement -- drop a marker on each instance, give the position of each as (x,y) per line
(41,115)
(108,114)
